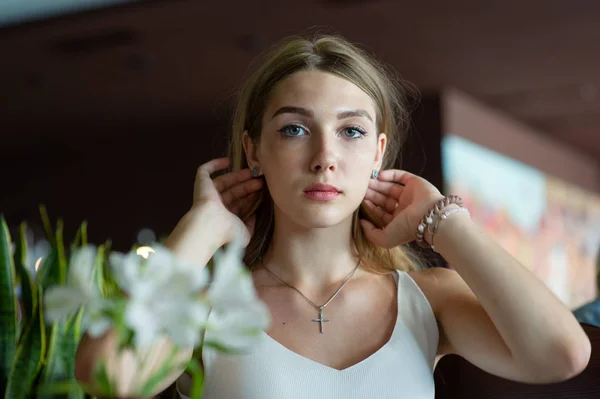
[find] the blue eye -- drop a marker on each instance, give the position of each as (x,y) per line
(354,132)
(293,130)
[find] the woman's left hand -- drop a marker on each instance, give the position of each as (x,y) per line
(400,200)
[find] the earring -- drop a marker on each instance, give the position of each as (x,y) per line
(255,172)
(375,174)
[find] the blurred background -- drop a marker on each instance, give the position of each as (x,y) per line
(107,108)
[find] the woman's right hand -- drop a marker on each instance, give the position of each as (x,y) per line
(213,219)
(227,197)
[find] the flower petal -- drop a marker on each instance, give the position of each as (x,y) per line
(125,268)
(98,326)
(62,301)
(185,337)
(143,321)
(253,315)
(232,284)
(238,328)
(81,267)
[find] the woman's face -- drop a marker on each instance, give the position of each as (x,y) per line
(318,148)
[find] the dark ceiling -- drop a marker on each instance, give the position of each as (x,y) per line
(144,82)
(156,61)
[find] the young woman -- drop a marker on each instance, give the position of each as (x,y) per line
(316,132)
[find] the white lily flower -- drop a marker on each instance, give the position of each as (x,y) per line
(232,284)
(125,269)
(237,329)
(97,322)
(163,296)
(237,313)
(62,301)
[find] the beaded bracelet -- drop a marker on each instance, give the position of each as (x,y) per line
(432,215)
(443,216)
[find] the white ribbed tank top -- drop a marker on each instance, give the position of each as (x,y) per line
(402,368)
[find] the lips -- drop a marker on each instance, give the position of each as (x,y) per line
(322,188)
(321,192)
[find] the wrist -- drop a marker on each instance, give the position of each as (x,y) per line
(450,228)
(192,239)
(428,225)
(432,230)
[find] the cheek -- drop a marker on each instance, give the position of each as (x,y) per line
(359,168)
(360,159)
(279,165)
(279,155)
(274,159)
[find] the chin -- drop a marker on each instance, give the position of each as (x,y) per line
(321,218)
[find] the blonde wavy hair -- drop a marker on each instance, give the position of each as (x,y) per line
(331,54)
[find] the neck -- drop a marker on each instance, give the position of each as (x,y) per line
(315,258)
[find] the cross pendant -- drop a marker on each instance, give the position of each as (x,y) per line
(320,319)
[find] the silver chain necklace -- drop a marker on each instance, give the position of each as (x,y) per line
(320,309)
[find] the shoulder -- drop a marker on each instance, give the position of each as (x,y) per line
(438,285)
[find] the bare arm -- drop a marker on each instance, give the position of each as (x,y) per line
(492,310)
(499,315)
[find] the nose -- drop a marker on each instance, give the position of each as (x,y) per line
(325,155)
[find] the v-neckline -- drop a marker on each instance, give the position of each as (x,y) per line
(355,365)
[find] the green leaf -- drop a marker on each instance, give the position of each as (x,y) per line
(47,274)
(8,305)
(78,324)
(60,361)
(60,250)
(77,241)
(53,269)
(28,295)
(28,357)
(28,289)
(54,389)
(47,225)
(84,236)
(98,272)
(20,256)
(103,278)
(51,344)
(195,369)
(64,336)
(103,384)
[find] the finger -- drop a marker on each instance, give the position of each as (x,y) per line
(250,224)
(230,179)
(240,206)
(379,213)
(203,184)
(241,191)
(374,234)
(391,189)
(382,201)
(396,175)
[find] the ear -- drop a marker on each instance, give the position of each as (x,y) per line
(381,144)
(251,150)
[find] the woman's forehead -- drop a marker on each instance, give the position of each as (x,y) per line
(319,92)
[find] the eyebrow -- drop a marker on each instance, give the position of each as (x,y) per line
(309,114)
